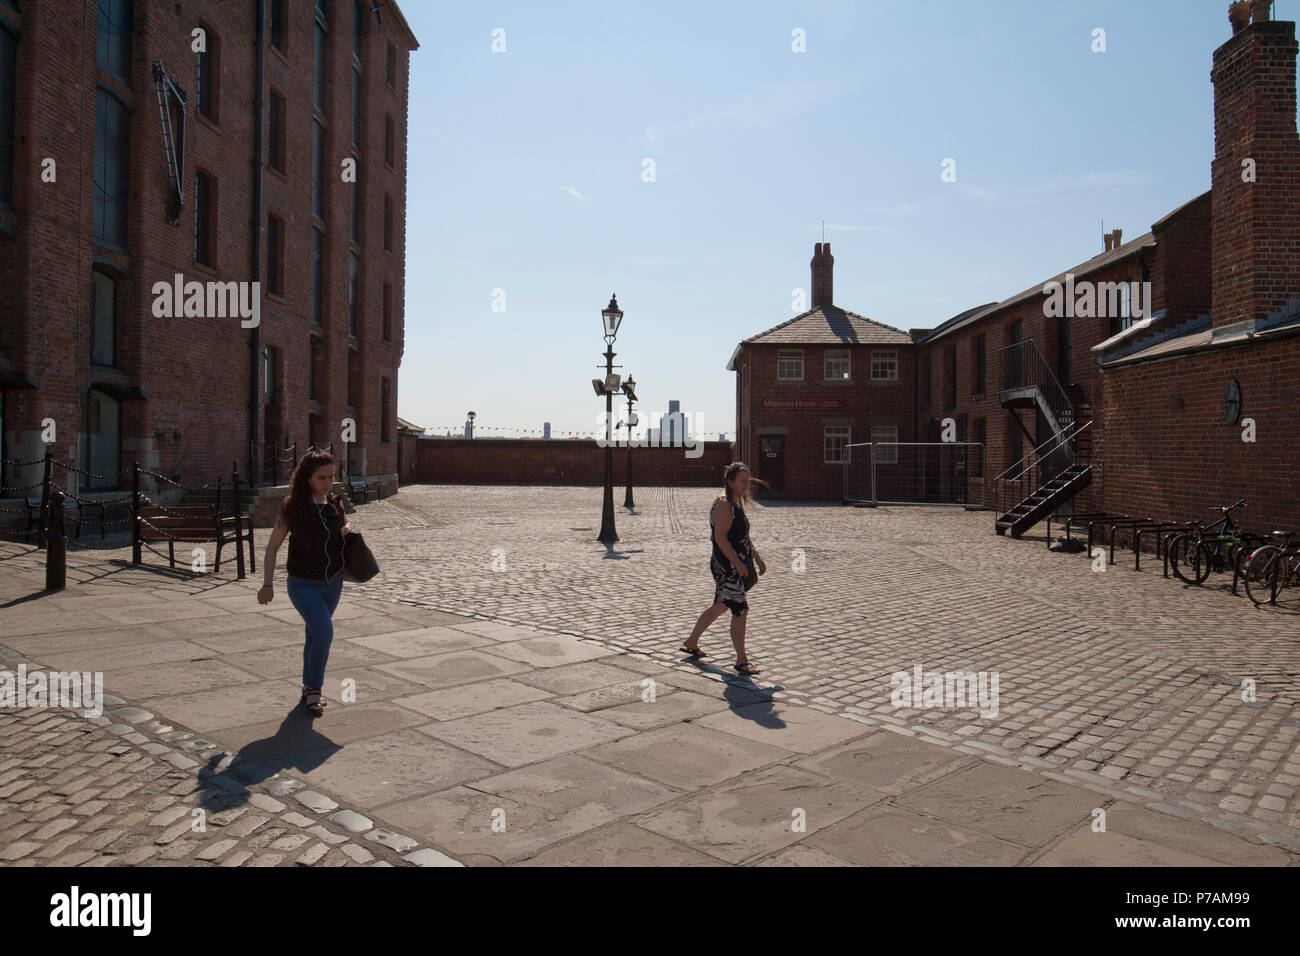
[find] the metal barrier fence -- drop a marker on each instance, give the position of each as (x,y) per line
(949,473)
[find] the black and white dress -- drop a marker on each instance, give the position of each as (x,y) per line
(729,588)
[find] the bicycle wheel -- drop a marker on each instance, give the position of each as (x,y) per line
(1189,558)
(1259,573)
(1286,580)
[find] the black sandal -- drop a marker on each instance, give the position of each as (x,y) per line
(696,653)
(744,667)
(311,699)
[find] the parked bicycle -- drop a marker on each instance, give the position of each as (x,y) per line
(1273,572)
(1217,546)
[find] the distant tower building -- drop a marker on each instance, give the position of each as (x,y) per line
(469,429)
(672,427)
(546,429)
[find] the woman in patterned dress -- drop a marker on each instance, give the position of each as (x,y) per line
(732,553)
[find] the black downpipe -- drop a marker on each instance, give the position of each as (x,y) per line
(255,340)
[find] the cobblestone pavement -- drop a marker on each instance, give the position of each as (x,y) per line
(1121,677)
(1123,688)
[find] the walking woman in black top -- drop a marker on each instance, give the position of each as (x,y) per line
(732,552)
(313,521)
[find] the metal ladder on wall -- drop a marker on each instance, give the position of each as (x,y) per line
(166,91)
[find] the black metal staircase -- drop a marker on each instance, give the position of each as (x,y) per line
(1028,382)
(1045,480)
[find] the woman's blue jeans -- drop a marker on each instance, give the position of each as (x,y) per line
(316,601)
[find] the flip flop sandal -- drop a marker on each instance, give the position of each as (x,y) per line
(696,653)
(746,668)
(311,699)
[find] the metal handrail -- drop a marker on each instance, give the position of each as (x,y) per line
(1069,432)
(1018,373)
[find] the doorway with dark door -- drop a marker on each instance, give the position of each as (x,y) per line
(771,466)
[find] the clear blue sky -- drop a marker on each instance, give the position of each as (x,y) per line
(526,176)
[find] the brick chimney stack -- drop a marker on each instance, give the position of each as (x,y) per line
(1109,239)
(1256,234)
(823,268)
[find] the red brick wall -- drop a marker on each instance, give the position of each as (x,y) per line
(1256,224)
(1181,266)
(195,372)
(867,403)
(1170,454)
(506,461)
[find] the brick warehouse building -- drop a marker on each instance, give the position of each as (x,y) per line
(812,385)
(237,176)
(1141,388)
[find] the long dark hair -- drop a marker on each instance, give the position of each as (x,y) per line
(297,503)
(729,474)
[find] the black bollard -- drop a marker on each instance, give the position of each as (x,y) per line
(56,545)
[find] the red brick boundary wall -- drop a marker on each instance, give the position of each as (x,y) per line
(523,461)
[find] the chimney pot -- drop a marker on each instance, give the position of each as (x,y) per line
(823,265)
(1108,238)
(1259,10)
(1238,15)
(1119,238)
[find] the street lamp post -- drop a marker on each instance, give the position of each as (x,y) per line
(611,317)
(629,388)
(471,416)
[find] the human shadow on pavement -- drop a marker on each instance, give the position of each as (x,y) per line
(296,745)
(746,698)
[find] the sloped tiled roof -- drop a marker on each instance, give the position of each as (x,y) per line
(826,325)
(830,325)
(1132,247)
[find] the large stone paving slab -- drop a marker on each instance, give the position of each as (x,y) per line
(420,642)
(211,710)
(393,767)
(687,757)
(448,703)
(795,728)
(341,724)
(551,651)
(574,787)
(886,764)
(1086,848)
(669,709)
(1008,803)
(525,733)
(446,670)
(895,836)
(175,677)
(757,814)
(621,844)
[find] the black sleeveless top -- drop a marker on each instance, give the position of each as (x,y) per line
(316,544)
(737,536)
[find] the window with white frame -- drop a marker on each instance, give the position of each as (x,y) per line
(789,366)
(835,437)
(884,366)
(887,455)
(836,366)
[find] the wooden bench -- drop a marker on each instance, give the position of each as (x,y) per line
(357,490)
(73,510)
(193,524)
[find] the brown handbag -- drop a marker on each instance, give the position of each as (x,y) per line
(359,562)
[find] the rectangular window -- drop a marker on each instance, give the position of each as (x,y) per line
(317,268)
(384,423)
(388,312)
(313,373)
(8,80)
(950,376)
(977,454)
(390,139)
(789,366)
(114,41)
(318,170)
(278,24)
(111,173)
(356,107)
(927,378)
(884,366)
(274,256)
(277,145)
(834,438)
(978,381)
(888,455)
(354,304)
(318,83)
(209,73)
(203,219)
(390,66)
(103,329)
(836,367)
(388,222)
